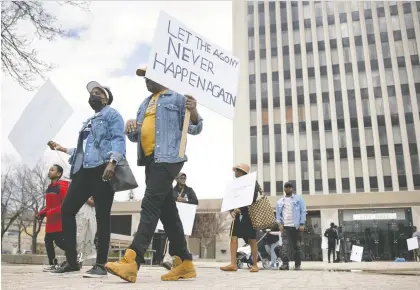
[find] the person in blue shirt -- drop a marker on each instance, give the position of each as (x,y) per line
(157,130)
(291,217)
(100,146)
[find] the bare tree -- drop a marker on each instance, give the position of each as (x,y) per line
(34,184)
(208,226)
(12,201)
(19,60)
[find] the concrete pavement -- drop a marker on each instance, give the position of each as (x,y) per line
(31,277)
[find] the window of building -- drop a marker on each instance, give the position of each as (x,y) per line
(389,77)
(254,145)
(365,107)
(303,141)
(411,133)
(317,169)
(396,133)
(330,169)
(264,115)
(372,166)
(357,28)
(334,56)
(310,59)
(315,138)
(277,139)
(382,135)
(289,114)
(393,106)
(415,166)
(382,24)
(355,137)
(369,26)
(251,67)
(358,167)
(304,170)
(416,73)
(399,48)
(251,44)
(290,142)
(264,93)
(369,136)
(344,168)
(332,32)
(399,158)
(266,144)
(286,62)
(386,166)
(291,170)
(372,51)
(314,112)
(349,81)
(329,139)
(342,138)
(298,61)
(344,30)
(412,47)
(284,38)
(252,92)
(274,63)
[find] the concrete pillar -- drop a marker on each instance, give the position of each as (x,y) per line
(327,216)
(415,213)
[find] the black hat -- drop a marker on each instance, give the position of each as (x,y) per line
(288,183)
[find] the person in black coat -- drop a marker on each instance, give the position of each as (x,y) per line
(182,192)
(332,236)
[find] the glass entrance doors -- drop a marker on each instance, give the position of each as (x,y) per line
(382,232)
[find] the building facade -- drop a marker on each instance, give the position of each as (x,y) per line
(329,98)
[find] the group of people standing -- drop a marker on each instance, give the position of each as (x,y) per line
(101,147)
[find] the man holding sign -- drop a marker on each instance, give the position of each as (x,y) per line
(158,131)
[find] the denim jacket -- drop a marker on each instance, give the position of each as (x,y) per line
(299,210)
(170,111)
(106,141)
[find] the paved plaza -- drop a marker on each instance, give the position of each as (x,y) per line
(30,277)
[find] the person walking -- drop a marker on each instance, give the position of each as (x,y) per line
(158,131)
(100,147)
(291,217)
(332,236)
(242,227)
(185,194)
(86,231)
(55,194)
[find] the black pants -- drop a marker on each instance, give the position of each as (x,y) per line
(331,250)
(291,238)
(87,183)
(49,240)
(158,202)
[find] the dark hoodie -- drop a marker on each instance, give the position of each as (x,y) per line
(56,192)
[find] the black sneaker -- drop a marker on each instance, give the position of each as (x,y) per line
(284,267)
(66,268)
(297,268)
(97,271)
(167,265)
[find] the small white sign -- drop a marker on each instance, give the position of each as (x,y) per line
(184,61)
(324,244)
(41,120)
(239,192)
(412,243)
(375,216)
(356,253)
(187,215)
(337,248)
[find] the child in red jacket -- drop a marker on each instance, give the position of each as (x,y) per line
(55,195)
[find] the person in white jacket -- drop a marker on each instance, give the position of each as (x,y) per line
(273,241)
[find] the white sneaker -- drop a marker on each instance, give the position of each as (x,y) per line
(49,268)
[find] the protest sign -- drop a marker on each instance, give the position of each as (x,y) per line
(41,120)
(188,63)
(324,243)
(337,247)
(356,253)
(412,243)
(239,192)
(187,214)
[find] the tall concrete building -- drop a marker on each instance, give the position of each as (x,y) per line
(329,98)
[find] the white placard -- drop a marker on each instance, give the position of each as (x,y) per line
(356,253)
(41,120)
(188,63)
(239,192)
(412,243)
(337,248)
(187,214)
(324,243)
(374,216)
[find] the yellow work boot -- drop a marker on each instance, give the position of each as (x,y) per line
(176,261)
(126,268)
(185,270)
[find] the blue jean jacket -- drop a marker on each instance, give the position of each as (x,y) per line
(106,141)
(170,112)
(299,210)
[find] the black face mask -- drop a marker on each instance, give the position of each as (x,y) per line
(95,102)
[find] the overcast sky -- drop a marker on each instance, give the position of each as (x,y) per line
(107,44)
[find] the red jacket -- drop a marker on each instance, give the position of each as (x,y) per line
(56,192)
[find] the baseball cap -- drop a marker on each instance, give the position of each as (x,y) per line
(181,174)
(241,166)
(93,84)
(288,183)
(141,72)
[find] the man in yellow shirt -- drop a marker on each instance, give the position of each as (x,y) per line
(158,130)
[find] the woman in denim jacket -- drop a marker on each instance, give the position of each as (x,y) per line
(100,146)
